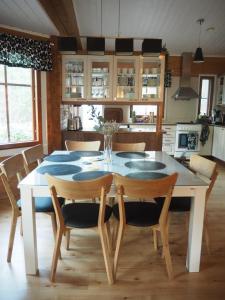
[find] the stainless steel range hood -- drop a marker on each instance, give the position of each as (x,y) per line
(185,91)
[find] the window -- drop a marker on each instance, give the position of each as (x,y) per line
(145,109)
(206,95)
(86,116)
(18,111)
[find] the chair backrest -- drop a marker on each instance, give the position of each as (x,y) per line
(82,146)
(32,157)
(10,168)
(206,169)
(82,190)
(128,147)
(146,189)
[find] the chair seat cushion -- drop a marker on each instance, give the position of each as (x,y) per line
(141,214)
(43,204)
(83,215)
(178,204)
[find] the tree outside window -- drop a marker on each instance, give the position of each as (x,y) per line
(17,105)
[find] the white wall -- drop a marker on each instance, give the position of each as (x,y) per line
(9,152)
(180,110)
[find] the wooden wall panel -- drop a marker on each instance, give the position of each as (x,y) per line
(54,96)
(212,65)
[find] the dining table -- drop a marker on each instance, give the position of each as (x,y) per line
(85,165)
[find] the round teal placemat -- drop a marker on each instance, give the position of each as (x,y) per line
(132,154)
(146,175)
(59,169)
(144,165)
(86,153)
(89,175)
(62,157)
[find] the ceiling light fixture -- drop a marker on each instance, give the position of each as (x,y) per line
(96,45)
(198,57)
(123,46)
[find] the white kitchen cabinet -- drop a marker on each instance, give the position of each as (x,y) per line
(169,138)
(100,74)
(74,77)
(206,150)
(126,77)
(218,149)
(151,78)
(221,90)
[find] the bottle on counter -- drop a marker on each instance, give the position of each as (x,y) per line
(133,116)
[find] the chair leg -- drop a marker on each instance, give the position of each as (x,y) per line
(109,237)
(166,253)
(155,239)
(54,227)
(11,237)
(118,244)
(115,233)
(56,253)
(105,249)
(68,239)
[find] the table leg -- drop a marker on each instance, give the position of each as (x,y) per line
(29,230)
(195,230)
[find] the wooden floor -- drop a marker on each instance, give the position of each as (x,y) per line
(141,272)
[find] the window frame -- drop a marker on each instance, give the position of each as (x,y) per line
(36,109)
(211,78)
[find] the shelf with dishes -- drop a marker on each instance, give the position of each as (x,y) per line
(113,78)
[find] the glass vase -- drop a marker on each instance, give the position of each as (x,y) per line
(108,147)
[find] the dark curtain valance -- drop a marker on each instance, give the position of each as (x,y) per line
(23,52)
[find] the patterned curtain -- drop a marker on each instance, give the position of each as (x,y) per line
(23,52)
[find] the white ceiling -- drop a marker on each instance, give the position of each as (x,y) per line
(26,15)
(174,21)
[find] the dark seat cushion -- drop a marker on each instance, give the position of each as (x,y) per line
(179,204)
(141,214)
(83,215)
(43,204)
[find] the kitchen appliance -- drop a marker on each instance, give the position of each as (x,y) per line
(187,139)
(185,91)
(74,120)
(217,116)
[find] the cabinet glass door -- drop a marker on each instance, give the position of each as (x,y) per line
(150,79)
(100,77)
(126,78)
(74,77)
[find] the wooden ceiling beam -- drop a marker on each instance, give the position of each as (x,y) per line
(62,15)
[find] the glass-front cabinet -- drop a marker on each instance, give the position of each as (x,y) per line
(151,80)
(74,77)
(126,77)
(100,71)
(112,78)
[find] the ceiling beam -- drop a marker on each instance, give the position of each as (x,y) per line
(62,15)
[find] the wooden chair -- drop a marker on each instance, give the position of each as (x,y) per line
(82,146)
(82,214)
(12,168)
(128,147)
(144,214)
(207,171)
(33,156)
